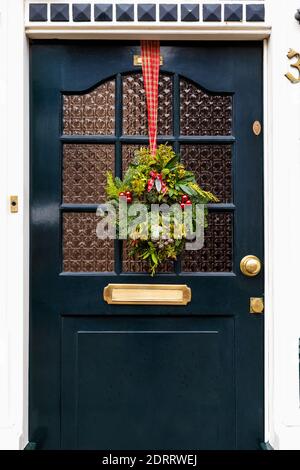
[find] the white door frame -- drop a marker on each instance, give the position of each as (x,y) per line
(282,251)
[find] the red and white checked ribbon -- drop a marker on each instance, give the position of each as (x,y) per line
(150,66)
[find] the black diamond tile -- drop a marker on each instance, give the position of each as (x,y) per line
(233,12)
(125,12)
(38,12)
(147,12)
(103,12)
(189,12)
(255,13)
(212,12)
(81,12)
(167,12)
(59,12)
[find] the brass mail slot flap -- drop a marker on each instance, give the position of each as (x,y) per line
(147,294)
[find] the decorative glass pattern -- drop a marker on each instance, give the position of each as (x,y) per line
(212,165)
(202,113)
(130,265)
(92,113)
(135,120)
(85,166)
(216,255)
(84,172)
(82,250)
(128,155)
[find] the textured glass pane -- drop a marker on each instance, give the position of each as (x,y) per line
(130,265)
(212,166)
(135,120)
(216,255)
(84,172)
(92,113)
(202,113)
(82,250)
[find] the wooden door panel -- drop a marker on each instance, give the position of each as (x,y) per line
(136,383)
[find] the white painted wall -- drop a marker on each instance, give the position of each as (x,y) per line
(282,133)
(284,233)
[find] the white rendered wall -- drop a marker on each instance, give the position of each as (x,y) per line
(282,189)
(13,231)
(284,235)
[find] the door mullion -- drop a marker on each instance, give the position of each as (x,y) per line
(176,112)
(141,139)
(118,114)
(207,139)
(88,139)
(176,131)
(118,161)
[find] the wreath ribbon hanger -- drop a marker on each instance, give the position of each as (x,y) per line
(150,51)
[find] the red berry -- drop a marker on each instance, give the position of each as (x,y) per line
(129,200)
(182,205)
(128,193)
(121,194)
(188,203)
(184,198)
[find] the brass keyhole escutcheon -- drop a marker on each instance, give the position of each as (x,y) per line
(256,305)
(250,266)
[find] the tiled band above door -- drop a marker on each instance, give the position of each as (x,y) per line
(140,12)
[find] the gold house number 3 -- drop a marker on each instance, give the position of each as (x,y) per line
(296,65)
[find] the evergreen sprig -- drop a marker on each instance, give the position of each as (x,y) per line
(178,182)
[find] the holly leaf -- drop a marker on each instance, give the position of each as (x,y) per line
(186,189)
(187,179)
(171,163)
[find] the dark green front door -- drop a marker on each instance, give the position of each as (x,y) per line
(144,377)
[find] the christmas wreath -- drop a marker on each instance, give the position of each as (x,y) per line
(156,179)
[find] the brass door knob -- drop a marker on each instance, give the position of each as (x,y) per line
(250,266)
